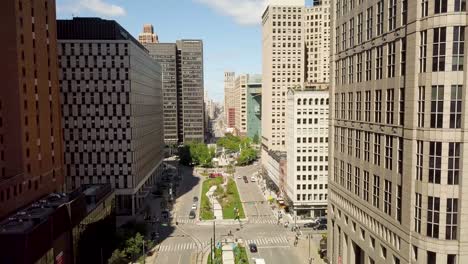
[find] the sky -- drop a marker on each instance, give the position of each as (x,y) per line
(230,29)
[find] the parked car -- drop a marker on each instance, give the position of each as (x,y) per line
(215,174)
(165,214)
(320,227)
(245,179)
(194,206)
(192,214)
(310,225)
(195,199)
(239,177)
(252,179)
(253,248)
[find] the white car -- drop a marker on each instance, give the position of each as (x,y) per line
(239,177)
(252,179)
(194,206)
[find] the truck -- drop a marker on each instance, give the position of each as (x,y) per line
(259,261)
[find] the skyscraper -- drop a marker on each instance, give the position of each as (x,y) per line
(254,106)
(30,131)
(240,103)
(112,110)
(296,48)
(229,101)
(148,35)
(397,136)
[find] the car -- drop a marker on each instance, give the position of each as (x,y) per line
(320,227)
(309,225)
(192,214)
(157,193)
(165,214)
(194,206)
(253,247)
(245,179)
(215,174)
(239,177)
(252,179)
(195,199)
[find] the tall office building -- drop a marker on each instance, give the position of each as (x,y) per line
(183,86)
(112,110)
(398,138)
(30,132)
(254,106)
(166,55)
(307,151)
(190,88)
(229,100)
(296,48)
(240,103)
(148,35)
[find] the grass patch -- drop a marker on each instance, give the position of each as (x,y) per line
(206,211)
(240,255)
(218,257)
(231,200)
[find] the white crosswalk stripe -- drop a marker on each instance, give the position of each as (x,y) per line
(184,220)
(263,220)
(182,247)
(269,241)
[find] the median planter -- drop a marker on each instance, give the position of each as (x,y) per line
(227,195)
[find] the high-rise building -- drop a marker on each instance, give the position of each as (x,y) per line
(254,106)
(148,35)
(31,159)
(183,86)
(296,53)
(166,55)
(191,86)
(240,103)
(112,110)
(229,100)
(307,151)
(397,135)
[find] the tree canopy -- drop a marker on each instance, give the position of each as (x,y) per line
(197,154)
(233,143)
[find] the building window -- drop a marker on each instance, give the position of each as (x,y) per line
(400,155)
(378,106)
(388,151)
(342,173)
(431,257)
(422,50)
(458,48)
(350,142)
(377,149)
(417,213)
(379,63)
(351,33)
(438,49)
(460,6)
(390,106)
(433,216)
(392,8)
(440,6)
(359,67)
(451,259)
(367,105)
(403,57)
(419,159)
(369,24)
(380,17)
(402,107)
(368,65)
(376,192)
(453,171)
(451,219)
(455,106)
(349,177)
(391,59)
(388,197)
(358,106)
(435,160)
(351,69)
(365,194)
(357,181)
(358,144)
(367,146)
(404,12)
(437,106)
(360,25)
(421,105)
(350,106)
(398,205)
(342,140)
(344,39)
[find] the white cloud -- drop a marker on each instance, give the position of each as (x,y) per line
(98,7)
(244,12)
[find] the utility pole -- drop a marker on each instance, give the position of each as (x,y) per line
(211,249)
(309,247)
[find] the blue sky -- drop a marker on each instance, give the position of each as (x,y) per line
(230,29)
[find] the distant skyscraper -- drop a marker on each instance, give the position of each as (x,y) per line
(398,132)
(31,159)
(254,106)
(148,35)
(112,110)
(183,89)
(240,103)
(229,100)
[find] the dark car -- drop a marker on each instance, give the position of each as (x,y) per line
(195,199)
(192,214)
(321,227)
(165,214)
(309,225)
(245,179)
(253,248)
(157,193)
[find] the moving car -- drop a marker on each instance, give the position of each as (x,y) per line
(192,214)
(320,227)
(253,248)
(245,179)
(310,225)
(195,199)
(252,179)
(239,177)
(194,206)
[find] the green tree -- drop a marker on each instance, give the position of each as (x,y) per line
(247,156)
(134,246)
(184,155)
(256,139)
(118,257)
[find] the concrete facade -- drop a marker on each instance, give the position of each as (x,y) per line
(254,106)
(31,155)
(240,103)
(307,151)
(397,132)
(148,35)
(229,101)
(112,110)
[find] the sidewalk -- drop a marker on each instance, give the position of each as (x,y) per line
(302,249)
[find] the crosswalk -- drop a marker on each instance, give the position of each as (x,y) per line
(263,220)
(269,241)
(182,247)
(184,220)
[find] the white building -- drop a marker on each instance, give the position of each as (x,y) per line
(307,151)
